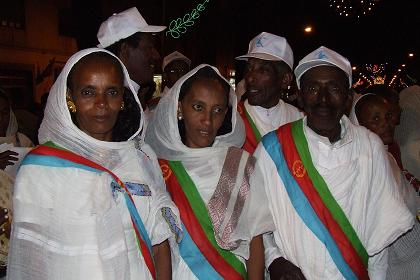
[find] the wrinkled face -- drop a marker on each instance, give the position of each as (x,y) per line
(141,62)
(4,116)
(377,117)
(97,88)
(175,70)
(203,109)
(324,93)
(263,84)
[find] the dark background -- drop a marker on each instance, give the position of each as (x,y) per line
(385,35)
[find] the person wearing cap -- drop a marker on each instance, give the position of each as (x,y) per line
(334,200)
(129,37)
(268,75)
(174,66)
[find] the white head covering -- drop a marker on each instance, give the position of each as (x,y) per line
(323,56)
(57,125)
(163,134)
(122,25)
(407,132)
(12,129)
(352,115)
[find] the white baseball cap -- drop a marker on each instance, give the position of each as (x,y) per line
(323,56)
(268,46)
(122,25)
(175,56)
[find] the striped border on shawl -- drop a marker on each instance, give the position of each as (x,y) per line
(302,204)
(253,136)
(197,224)
(49,152)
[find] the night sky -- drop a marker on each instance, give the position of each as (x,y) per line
(386,35)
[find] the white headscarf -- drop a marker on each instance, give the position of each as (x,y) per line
(407,133)
(352,116)
(57,125)
(12,129)
(163,134)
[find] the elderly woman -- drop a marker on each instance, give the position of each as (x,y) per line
(197,136)
(90,203)
(377,114)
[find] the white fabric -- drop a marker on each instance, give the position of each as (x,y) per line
(353,117)
(204,166)
(268,120)
(13,136)
(13,124)
(404,253)
(358,174)
(323,56)
(268,46)
(163,135)
(122,25)
(165,91)
(58,127)
(407,132)
(68,223)
(174,56)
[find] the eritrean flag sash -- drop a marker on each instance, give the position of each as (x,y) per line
(50,154)
(313,201)
(198,247)
(253,136)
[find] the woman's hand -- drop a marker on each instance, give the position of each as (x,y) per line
(255,263)
(7,158)
(162,258)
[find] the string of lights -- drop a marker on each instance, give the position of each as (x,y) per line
(391,75)
(353,8)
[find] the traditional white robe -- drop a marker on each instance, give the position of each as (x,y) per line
(357,172)
(71,223)
(204,166)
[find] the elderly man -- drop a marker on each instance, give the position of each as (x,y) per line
(330,188)
(267,78)
(129,37)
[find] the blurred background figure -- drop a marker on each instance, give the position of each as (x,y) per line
(174,66)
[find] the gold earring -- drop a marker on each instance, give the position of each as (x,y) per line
(122,106)
(70,104)
(179,115)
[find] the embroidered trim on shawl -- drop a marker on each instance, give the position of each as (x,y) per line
(219,202)
(169,217)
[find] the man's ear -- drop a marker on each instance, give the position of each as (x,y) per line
(299,98)
(286,80)
(124,54)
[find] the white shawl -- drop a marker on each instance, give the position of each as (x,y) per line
(204,166)
(69,222)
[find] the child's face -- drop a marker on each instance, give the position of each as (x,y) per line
(377,117)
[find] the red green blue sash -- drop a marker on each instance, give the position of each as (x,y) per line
(313,201)
(50,154)
(198,247)
(253,136)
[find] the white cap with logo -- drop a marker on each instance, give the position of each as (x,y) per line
(175,56)
(122,25)
(271,47)
(323,57)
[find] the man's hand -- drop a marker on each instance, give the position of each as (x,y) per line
(282,269)
(7,158)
